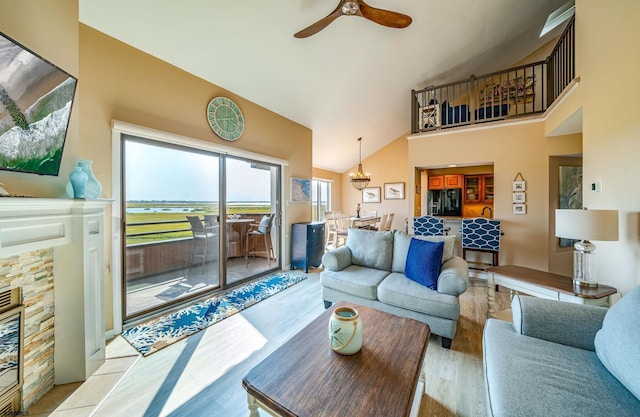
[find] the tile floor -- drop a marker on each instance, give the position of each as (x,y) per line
(81,399)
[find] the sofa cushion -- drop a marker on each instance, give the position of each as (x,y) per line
(402,240)
(423,262)
(355,280)
(400,291)
(525,376)
(371,248)
(618,342)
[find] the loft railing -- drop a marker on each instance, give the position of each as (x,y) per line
(520,91)
(561,64)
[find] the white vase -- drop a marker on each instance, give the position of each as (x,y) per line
(92,188)
(345,331)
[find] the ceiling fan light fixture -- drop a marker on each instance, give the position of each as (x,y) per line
(350,8)
(359,180)
(357,8)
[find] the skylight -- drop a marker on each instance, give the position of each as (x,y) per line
(558,17)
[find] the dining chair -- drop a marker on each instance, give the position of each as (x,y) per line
(342,230)
(380,225)
(210,220)
(331,230)
(387,225)
(259,231)
(201,237)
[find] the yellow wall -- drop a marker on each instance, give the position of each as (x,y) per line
(385,166)
(50,29)
(519,148)
(608,63)
(120,82)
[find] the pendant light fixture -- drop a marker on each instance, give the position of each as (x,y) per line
(359,180)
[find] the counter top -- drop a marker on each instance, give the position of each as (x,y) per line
(458,218)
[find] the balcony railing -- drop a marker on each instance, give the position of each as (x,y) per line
(520,91)
(164,246)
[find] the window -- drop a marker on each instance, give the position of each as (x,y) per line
(320,199)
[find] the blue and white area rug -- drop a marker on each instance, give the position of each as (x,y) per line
(151,336)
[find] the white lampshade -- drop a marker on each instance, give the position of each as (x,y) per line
(587,224)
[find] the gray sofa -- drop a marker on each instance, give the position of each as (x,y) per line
(370,270)
(563,359)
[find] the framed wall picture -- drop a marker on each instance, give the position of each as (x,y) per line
(300,190)
(569,195)
(371,195)
(519,186)
(519,197)
(519,209)
(394,191)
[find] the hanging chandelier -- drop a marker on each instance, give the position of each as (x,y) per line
(359,180)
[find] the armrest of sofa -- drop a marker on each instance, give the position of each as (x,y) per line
(454,276)
(557,321)
(337,259)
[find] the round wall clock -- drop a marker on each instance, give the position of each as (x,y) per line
(225,118)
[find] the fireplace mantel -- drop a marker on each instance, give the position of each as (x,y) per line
(28,224)
(75,229)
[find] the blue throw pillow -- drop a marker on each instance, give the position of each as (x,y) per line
(262,228)
(423,262)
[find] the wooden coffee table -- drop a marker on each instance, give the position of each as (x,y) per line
(305,378)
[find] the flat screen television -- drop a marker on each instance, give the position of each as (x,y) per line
(35,106)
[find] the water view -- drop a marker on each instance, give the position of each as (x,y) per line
(154,221)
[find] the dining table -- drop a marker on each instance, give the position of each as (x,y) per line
(364,222)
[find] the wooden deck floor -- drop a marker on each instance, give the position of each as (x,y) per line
(144,293)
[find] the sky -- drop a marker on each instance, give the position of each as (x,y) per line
(159,173)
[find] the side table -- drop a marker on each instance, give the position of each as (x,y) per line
(543,285)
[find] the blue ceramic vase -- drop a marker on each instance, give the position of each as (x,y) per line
(78,179)
(92,188)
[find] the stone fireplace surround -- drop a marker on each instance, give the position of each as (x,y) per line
(54,250)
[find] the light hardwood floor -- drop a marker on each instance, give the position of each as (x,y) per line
(201,375)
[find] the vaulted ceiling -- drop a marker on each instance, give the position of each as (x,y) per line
(352,79)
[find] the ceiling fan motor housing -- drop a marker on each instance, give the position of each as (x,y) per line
(350,8)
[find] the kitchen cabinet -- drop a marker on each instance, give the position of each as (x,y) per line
(472,188)
(442,182)
(487,189)
(478,188)
(307,245)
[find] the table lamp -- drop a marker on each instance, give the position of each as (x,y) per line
(586,225)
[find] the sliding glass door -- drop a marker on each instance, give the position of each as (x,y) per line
(181,242)
(252,223)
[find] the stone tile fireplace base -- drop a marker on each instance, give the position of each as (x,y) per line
(64,325)
(33,272)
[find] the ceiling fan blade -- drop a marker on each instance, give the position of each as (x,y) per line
(384,17)
(320,24)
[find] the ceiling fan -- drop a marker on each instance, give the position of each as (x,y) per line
(358,8)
